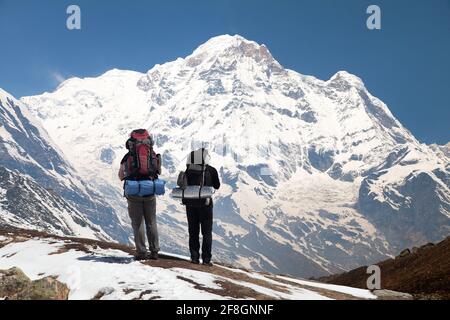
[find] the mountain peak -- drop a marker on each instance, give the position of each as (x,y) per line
(344,76)
(224,41)
(232,47)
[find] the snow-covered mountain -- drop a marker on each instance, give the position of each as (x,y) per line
(319,176)
(38,187)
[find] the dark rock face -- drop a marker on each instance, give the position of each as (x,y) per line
(340,83)
(309,117)
(107,155)
(240,89)
(168,162)
(261,172)
(292,91)
(229,179)
(395,157)
(321,160)
(215,87)
(336,173)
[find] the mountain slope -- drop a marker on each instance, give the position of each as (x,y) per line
(319,176)
(442,151)
(38,187)
(424,272)
(26,204)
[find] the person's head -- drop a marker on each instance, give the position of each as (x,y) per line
(200,157)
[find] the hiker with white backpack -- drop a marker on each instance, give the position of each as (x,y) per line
(196,186)
(139,169)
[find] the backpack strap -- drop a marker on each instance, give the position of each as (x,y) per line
(133,153)
(150,164)
(125,157)
(202,181)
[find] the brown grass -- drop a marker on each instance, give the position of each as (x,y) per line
(425,274)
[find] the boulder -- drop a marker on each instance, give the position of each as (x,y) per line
(12,281)
(404,253)
(47,288)
(15,285)
(428,245)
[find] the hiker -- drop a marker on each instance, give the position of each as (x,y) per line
(139,169)
(199,211)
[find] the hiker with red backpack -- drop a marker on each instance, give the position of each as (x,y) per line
(139,169)
(196,186)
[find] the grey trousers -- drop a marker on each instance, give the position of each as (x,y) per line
(144,210)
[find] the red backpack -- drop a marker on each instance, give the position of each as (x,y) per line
(141,162)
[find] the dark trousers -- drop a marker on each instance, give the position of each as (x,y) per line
(200,218)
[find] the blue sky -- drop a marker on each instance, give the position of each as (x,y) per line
(406,63)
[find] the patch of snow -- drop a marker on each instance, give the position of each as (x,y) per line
(360,293)
(88,274)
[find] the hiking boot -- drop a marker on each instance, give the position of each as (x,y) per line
(141,256)
(195,261)
(153,256)
(207,263)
